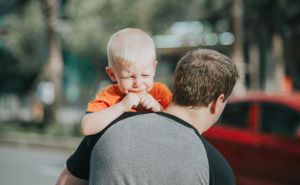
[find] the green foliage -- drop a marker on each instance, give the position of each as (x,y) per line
(273,16)
(26,37)
(23,50)
(91,22)
(84,34)
(84,27)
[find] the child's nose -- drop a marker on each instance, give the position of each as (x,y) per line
(137,81)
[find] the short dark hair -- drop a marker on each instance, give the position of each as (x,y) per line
(201,76)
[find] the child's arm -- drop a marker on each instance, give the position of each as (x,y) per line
(95,122)
(148,102)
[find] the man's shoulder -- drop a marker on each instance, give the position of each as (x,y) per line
(160,122)
(161,125)
(128,115)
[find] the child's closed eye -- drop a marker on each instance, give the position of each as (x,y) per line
(126,77)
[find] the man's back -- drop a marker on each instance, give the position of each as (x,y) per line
(150,149)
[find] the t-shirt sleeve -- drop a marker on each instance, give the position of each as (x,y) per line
(79,162)
(220,171)
(97,104)
(162,94)
(105,98)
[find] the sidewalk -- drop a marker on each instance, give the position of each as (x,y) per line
(34,140)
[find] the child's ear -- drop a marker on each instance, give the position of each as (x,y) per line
(154,66)
(111,73)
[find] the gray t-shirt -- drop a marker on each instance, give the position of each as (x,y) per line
(149,149)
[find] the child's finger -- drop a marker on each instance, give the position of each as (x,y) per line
(149,105)
(143,97)
(155,108)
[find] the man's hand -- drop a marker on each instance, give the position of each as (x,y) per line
(66,178)
(131,100)
(148,102)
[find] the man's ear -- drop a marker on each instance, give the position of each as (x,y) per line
(111,73)
(217,105)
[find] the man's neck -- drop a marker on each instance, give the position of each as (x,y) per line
(198,118)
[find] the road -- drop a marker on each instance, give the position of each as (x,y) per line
(30,166)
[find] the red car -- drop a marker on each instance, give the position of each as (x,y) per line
(259,135)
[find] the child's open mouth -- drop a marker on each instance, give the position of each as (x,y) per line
(136,91)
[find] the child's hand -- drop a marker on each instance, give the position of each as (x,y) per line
(131,100)
(148,102)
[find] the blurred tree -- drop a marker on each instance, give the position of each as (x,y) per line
(53,70)
(267,36)
(264,22)
(289,29)
(32,40)
(237,14)
(24,41)
(89,24)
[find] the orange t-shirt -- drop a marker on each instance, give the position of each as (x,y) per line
(112,95)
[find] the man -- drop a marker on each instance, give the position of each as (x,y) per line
(164,147)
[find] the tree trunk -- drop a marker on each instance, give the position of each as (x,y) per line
(237,53)
(275,77)
(54,66)
(253,67)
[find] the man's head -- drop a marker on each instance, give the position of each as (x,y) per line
(202,76)
(131,60)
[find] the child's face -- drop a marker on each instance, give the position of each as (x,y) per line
(133,78)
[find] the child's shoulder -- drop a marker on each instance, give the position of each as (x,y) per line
(159,85)
(110,89)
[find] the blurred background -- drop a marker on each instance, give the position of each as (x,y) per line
(53,58)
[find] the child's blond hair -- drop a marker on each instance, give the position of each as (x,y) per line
(130,45)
